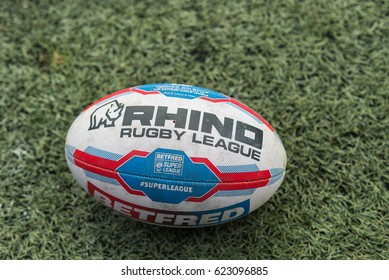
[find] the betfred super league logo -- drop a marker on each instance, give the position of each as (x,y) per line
(106,115)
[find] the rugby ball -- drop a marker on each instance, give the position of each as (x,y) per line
(175,155)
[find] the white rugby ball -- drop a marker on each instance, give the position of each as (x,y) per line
(175,155)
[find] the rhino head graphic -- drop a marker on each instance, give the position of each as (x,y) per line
(106,115)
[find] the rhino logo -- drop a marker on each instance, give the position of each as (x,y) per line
(106,115)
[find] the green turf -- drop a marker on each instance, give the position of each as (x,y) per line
(318,71)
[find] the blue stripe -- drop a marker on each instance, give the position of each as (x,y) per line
(183,91)
(276,174)
(276,171)
(103,154)
(70,149)
(234,193)
(101,178)
(69,157)
(238,168)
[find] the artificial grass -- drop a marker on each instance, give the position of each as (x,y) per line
(316,70)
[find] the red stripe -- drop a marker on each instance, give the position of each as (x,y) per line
(251,111)
(234,177)
(130,155)
(241,105)
(243,185)
(98,165)
(143,91)
(95,161)
(108,96)
(228,99)
(106,167)
(120,92)
(232,181)
(103,163)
